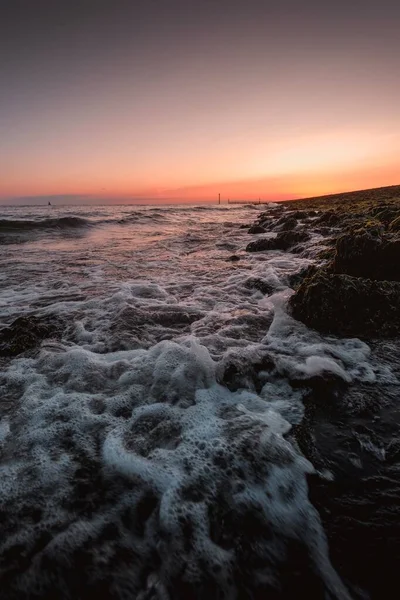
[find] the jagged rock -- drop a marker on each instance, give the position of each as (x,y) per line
(348,306)
(283,241)
(26,333)
(385,214)
(395,225)
(286,223)
(257,229)
(368,255)
(296,279)
(290,238)
(328,218)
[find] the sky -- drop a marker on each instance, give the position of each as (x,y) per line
(160,100)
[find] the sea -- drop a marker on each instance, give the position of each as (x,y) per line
(180,436)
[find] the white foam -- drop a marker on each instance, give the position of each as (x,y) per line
(123,426)
(156,420)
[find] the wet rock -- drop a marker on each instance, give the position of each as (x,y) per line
(326,253)
(296,279)
(260,245)
(286,223)
(385,214)
(348,306)
(291,238)
(255,283)
(234,258)
(266,223)
(25,333)
(257,229)
(283,241)
(329,218)
(304,214)
(236,372)
(368,254)
(356,505)
(244,226)
(395,225)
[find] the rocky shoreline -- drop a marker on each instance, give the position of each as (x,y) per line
(354,288)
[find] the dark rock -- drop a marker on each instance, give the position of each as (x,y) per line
(326,253)
(296,279)
(259,245)
(244,226)
(288,239)
(255,283)
(283,241)
(266,223)
(257,229)
(328,218)
(385,214)
(26,333)
(348,306)
(395,225)
(286,223)
(367,255)
(304,214)
(357,505)
(234,258)
(237,372)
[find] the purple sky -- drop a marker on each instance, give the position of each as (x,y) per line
(180,99)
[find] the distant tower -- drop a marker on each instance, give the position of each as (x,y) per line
(219,198)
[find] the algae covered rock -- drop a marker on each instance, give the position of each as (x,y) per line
(297,278)
(349,306)
(328,218)
(368,255)
(395,224)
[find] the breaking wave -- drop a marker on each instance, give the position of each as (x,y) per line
(12,225)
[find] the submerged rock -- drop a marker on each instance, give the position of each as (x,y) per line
(25,333)
(256,283)
(348,306)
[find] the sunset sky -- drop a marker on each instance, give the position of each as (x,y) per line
(180,100)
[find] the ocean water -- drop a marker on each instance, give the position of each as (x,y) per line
(151,448)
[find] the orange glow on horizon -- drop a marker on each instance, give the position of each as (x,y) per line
(251,102)
(283,169)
